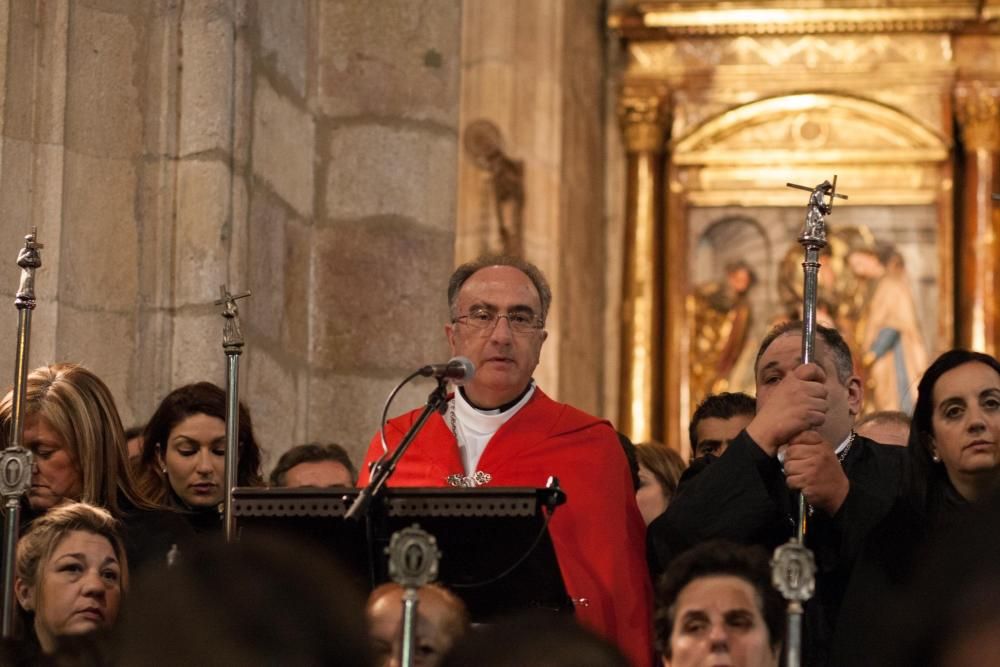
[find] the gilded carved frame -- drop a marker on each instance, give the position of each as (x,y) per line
(904,79)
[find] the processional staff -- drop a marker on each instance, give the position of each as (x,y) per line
(793,568)
(232,344)
(413,562)
(16,461)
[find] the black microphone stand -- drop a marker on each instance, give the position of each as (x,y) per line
(382,470)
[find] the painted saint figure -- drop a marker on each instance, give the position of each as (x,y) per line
(722,316)
(893,350)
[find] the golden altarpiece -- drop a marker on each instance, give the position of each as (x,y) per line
(721,104)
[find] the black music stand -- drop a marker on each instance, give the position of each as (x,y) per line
(497,554)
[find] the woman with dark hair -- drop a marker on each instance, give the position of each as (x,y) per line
(955,433)
(184,453)
(716,605)
(954,463)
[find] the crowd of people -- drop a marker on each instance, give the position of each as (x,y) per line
(664,560)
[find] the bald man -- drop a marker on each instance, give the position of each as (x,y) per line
(441,620)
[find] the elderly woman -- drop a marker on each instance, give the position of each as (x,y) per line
(71,573)
(660,470)
(183,456)
(73,429)
(716,605)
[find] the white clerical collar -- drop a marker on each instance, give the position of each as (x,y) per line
(487,421)
(473,429)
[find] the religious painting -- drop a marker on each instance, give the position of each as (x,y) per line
(878,285)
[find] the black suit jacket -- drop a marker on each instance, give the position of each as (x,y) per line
(743,497)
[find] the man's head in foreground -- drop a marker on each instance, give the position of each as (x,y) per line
(441,620)
(716,605)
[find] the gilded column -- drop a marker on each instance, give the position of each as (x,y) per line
(977,107)
(644,121)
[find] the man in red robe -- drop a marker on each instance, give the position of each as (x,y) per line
(501,430)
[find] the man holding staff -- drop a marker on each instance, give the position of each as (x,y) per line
(801,439)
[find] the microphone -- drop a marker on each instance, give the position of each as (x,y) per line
(458,369)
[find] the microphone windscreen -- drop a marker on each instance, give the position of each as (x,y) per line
(468,370)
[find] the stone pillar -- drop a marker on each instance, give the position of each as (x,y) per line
(640,411)
(382,243)
(977,107)
(530,68)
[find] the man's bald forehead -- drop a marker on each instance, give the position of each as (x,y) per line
(467,270)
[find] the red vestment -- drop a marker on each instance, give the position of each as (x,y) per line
(598,535)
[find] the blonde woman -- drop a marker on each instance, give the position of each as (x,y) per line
(72,427)
(71,573)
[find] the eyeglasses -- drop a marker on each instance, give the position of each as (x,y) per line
(485,320)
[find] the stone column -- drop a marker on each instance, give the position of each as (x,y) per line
(640,403)
(977,107)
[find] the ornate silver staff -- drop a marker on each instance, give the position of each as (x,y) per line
(793,568)
(413,562)
(232,344)
(16,461)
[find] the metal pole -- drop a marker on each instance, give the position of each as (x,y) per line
(410,601)
(232,344)
(413,562)
(810,290)
(15,461)
(793,567)
(232,438)
(793,657)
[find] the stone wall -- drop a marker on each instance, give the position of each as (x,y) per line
(387,125)
(302,149)
(307,151)
(536,70)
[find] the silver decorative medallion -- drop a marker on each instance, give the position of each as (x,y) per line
(793,571)
(478,478)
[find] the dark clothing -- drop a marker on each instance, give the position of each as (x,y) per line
(885,570)
(206,522)
(203,521)
(21,652)
(633,463)
(743,497)
(149,535)
(697,465)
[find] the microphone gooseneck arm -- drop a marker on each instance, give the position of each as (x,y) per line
(383,468)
